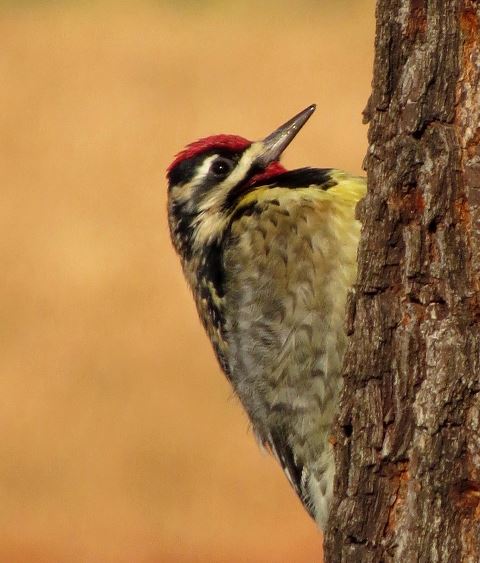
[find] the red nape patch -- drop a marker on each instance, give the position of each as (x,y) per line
(272,170)
(232,143)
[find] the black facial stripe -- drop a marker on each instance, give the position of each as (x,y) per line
(240,189)
(186,169)
(184,214)
(301,178)
(182,228)
(211,179)
(247,210)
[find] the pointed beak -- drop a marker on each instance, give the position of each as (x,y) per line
(278,141)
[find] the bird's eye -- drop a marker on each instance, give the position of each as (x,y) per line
(221,167)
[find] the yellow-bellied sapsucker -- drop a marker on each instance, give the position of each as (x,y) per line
(270,255)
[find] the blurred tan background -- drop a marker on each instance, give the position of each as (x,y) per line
(120,439)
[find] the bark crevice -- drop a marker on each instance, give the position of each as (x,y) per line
(407,443)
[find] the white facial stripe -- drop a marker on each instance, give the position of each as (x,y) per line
(216,197)
(212,218)
(203,169)
(183,192)
(243,166)
(208,226)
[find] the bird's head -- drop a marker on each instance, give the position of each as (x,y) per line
(208,177)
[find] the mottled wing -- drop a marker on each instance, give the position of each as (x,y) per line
(293,469)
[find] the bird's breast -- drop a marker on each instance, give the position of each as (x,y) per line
(289,261)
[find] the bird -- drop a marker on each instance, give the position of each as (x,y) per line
(270,256)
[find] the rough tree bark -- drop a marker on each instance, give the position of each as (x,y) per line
(408,438)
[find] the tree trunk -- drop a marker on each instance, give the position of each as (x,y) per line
(407,442)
